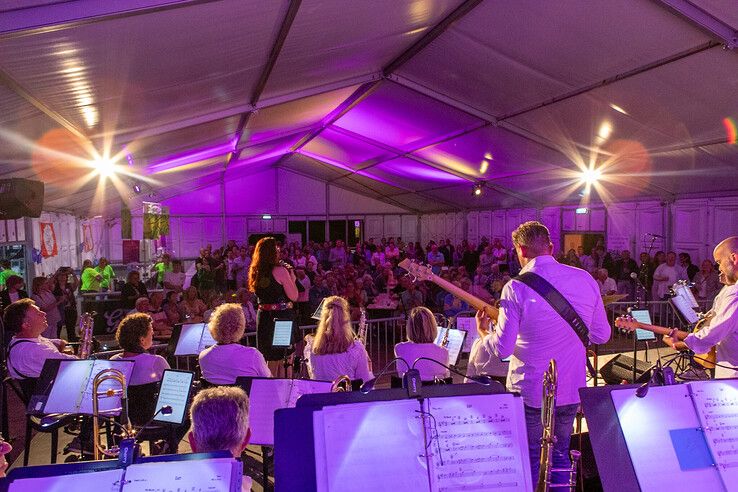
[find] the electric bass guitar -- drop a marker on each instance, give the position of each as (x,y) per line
(707,360)
(424,272)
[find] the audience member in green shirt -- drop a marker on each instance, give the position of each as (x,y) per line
(165,265)
(91,278)
(106,272)
(5,273)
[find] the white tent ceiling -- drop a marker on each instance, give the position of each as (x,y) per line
(409,101)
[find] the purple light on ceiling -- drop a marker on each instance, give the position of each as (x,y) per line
(410,169)
(340,165)
(191,157)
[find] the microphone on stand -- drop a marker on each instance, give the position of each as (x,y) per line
(129,447)
(634,276)
(369,385)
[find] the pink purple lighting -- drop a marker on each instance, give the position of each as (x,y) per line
(191,157)
(410,169)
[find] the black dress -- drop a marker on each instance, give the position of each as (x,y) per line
(272,292)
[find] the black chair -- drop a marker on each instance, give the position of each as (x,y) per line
(141,408)
(40,423)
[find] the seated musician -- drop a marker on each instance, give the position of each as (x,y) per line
(28,350)
(135,334)
(334,351)
(220,421)
(224,362)
(421,333)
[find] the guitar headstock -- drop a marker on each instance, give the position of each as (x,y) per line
(626,323)
(417,270)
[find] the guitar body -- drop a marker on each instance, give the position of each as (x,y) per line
(709,359)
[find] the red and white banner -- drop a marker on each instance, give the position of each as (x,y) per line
(48,240)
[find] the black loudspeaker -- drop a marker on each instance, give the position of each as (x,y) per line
(20,198)
(620,368)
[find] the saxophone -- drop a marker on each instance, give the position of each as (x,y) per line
(548,418)
(86,324)
(362,333)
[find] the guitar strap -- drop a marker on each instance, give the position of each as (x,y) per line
(559,303)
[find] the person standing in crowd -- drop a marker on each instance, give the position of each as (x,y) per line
(275,289)
(107,273)
(65,285)
(686,269)
(91,278)
(162,267)
(13,291)
(664,277)
(133,289)
(435,259)
(42,295)
(334,351)
(174,280)
(5,272)
(706,282)
(337,255)
(623,268)
(303,297)
(241,267)
(518,335)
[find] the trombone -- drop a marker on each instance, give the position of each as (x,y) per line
(118,377)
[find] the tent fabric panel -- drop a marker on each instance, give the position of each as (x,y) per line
(403,119)
(328,41)
(484,57)
(310,167)
(411,174)
(302,113)
(125,73)
(336,146)
(721,9)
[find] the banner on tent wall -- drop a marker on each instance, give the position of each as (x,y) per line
(125,222)
(131,251)
(87,243)
(155,220)
(48,240)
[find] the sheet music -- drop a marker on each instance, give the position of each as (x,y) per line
(206,339)
(373,446)
(478,443)
(100,481)
(716,403)
(190,339)
(455,343)
(107,405)
(211,475)
(469,325)
(646,423)
(268,395)
(67,391)
(174,391)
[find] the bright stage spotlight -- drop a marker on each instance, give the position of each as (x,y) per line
(590,176)
(477,190)
(137,188)
(104,167)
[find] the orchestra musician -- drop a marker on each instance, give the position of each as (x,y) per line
(422,330)
(135,335)
(28,349)
(722,331)
(334,351)
(532,332)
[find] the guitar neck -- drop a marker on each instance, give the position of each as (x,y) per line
(470,299)
(661,330)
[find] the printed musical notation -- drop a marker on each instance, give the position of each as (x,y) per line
(716,403)
(479,444)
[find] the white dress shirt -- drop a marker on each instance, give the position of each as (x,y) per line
(147,368)
(608,285)
(27,359)
(532,332)
(722,332)
(484,361)
(661,287)
(428,370)
(353,363)
(222,364)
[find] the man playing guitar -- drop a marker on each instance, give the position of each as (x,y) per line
(722,331)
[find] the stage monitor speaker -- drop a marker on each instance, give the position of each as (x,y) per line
(20,198)
(620,368)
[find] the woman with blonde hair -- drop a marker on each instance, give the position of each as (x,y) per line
(228,359)
(422,331)
(334,351)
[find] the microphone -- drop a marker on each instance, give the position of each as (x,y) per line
(655,235)
(634,276)
(482,379)
(369,385)
(129,446)
(661,376)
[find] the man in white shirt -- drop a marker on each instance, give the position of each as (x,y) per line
(28,350)
(664,276)
(722,330)
(532,332)
(337,255)
(607,285)
(175,279)
(240,268)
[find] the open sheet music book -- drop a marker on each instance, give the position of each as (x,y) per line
(682,437)
(211,475)
(65,386)
(473,442)
(267,395)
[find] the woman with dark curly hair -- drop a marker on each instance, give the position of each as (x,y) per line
(135,335)
(275,289)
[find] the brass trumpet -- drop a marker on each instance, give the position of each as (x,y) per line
(118,377)
(341,383)
(548,418)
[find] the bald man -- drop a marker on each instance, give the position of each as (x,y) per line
(722,330)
